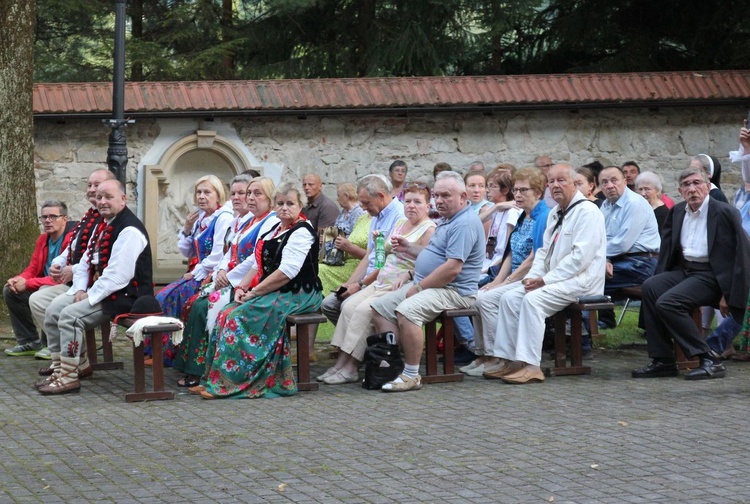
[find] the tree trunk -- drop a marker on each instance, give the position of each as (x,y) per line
(227,22)
(17,183)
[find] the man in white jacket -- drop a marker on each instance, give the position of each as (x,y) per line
(570,264)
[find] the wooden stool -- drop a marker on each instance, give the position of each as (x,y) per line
(430,329)
(576,339)
(157,370)
(306,323)
(108,359)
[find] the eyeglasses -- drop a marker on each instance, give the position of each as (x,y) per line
(51,217)
(694,183)
(521,190)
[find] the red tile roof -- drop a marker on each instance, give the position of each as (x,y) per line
(388,94)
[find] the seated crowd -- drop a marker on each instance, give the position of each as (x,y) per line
(516,245)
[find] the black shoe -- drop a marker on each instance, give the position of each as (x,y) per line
(710,368)
(657,369)
(463,356)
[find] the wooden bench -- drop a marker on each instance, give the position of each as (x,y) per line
(449,370)
(157,370)
(306,323)
(108,361)
(575,311)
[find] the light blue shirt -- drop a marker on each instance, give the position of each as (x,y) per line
(631,225)
(460,237)
(384,222)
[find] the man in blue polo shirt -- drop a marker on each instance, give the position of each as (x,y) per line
(446,274)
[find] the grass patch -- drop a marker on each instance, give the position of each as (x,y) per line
(624,335)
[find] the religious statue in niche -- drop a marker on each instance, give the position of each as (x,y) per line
(171,219)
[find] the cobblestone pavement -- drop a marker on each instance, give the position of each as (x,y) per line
(604,438)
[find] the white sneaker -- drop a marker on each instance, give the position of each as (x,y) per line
(477,371)
(472,365)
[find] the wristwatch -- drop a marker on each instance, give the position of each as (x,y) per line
(361,284)
(419,287)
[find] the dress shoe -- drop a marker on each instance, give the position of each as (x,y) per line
(523,376)
(57,388)
(709,368)
(657,369)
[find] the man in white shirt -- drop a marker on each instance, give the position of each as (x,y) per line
(704,258)
(115,269)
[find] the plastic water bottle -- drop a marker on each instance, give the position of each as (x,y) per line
(379,250)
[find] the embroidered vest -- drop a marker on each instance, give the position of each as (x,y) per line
(307,279)
(82,234)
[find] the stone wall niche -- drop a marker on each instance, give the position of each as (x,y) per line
(168,193)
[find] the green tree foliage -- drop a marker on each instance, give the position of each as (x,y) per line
(248,39)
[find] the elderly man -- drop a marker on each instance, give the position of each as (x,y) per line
(569,265)
(115,269)
(632,236)
(61,270)
(320,210)
(18,290)
(704,258)
(374,194)
(544,163)
(446,274)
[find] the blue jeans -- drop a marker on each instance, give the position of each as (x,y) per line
(724,334)
(630,271)
(464,332)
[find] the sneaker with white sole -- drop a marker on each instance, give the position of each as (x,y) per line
(43,354)
(403,384)
(25,349)
(472,365)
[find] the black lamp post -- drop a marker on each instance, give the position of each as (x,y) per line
(117,153)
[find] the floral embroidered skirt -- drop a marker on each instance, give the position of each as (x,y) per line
(248,352)
(172,299)
(191,353)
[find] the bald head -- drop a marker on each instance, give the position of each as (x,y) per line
(312,185)
(96,178)
(110,198)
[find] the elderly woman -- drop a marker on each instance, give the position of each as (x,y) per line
(249,354)
(502,217)
(397,174)
(355,224)
(586,184)
(648,184)
(526,238)
(356,317)
(251,201)
(202,242)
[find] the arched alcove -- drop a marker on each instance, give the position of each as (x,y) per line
(168,189)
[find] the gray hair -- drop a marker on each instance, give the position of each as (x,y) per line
(650,178)
(453,176)
(241,178)
(374,184)
(289,188)
(53,203)
(692,171)
(707,163)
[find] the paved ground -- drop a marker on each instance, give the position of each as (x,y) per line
(601,438)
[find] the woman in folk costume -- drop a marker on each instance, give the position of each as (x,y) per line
(202,242)
(249,353)
(251,200)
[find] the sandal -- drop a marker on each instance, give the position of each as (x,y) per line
(188,381)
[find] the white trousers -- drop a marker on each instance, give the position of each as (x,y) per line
(520,329)
(486,324)
(41,299)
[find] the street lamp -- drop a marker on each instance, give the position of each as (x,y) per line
(117,152)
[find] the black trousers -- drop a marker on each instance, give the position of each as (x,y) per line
(668,299)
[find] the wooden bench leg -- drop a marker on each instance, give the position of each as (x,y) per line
(108,362)
(304,382)
(576,345)
(449,372)
(158,392)
(431,356)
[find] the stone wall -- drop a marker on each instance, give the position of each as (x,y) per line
(346,147)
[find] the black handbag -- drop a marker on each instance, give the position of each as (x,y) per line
(382,361)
